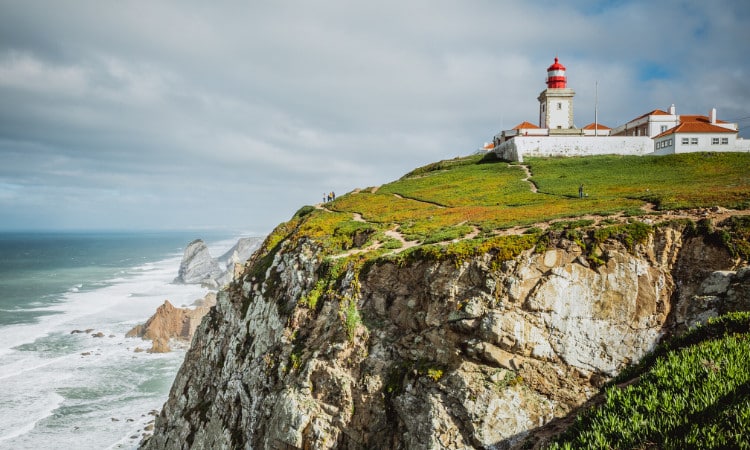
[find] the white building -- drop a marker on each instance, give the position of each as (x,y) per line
(697,136)
(656,132)
(649,124)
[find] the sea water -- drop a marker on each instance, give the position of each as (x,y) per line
(60,389)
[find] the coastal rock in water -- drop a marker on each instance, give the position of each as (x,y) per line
(159,345)
(170,322)
(235,258)
(198,266)
(241,251)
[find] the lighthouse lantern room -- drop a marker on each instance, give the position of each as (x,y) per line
(556,102)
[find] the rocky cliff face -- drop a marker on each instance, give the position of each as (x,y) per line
(433,354)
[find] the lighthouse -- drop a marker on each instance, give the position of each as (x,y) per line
(556,102)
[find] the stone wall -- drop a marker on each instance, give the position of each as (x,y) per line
(519,147)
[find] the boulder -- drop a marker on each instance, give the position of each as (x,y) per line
(160,345)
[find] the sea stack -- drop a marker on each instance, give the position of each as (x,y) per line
(198,266)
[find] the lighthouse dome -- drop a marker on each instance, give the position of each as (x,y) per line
(555,66)
(556,76)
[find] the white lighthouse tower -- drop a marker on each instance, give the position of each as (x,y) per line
(556,102)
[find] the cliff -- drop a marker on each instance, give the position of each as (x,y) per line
(432,353)
(461,306)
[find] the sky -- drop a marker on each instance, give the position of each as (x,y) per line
(163,115)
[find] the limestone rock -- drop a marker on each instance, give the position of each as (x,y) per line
(197,265)
(241,251)
(169,322)
(444,355)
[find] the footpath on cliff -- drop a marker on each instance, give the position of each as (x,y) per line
(651,215)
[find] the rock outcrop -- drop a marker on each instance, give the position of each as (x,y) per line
(199,267)
(430,353)
(234,259)
(169,322)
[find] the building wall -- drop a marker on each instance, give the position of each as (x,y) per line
(604,132)
(699,142)
(522,146)
(559,112)
(742,145)
(647,126)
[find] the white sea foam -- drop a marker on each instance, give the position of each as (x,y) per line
(63,390)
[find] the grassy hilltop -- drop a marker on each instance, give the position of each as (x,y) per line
(463,206)
(691,392)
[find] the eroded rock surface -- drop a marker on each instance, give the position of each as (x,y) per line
(197,265)
(170,322)
(474,355)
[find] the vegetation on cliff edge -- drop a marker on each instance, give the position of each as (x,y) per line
(458,205)
(691,392)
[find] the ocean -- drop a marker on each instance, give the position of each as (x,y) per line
(74,390)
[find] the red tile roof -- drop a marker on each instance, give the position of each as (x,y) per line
(695,127)
(697,118)
(525,126)
(656,112)
(598,126)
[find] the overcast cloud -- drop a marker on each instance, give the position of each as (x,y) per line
(233,114)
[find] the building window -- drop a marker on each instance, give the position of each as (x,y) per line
(714,141)
(669,143)
(543,105)
(685,141)
(559,105)
(725,141)
(663,128)
(693,141)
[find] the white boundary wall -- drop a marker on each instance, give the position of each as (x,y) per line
(520,146)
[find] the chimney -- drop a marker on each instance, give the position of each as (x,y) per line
(712,115)
(672,109)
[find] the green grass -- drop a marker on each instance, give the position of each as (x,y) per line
(447,200)
(491,195)
(671,181)
(693,392)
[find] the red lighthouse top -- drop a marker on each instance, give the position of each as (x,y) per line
(556,76)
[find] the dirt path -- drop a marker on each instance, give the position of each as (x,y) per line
(716,215)
(395,234)
(528,176)
(651,215)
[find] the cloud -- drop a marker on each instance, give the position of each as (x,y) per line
(187,114)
